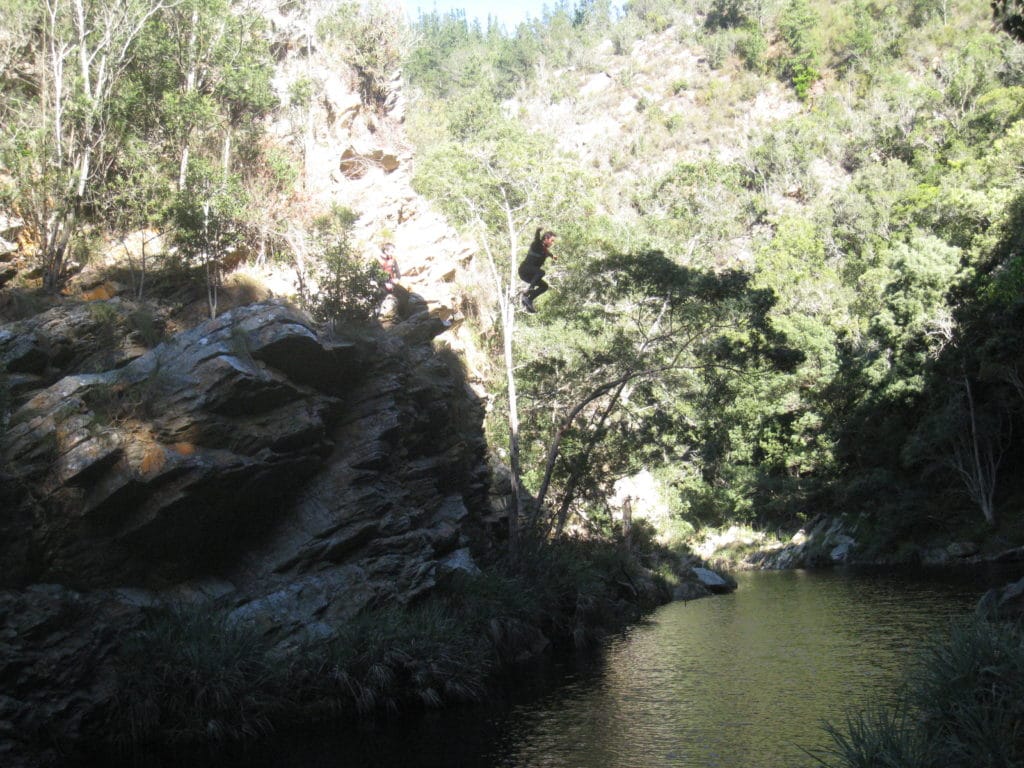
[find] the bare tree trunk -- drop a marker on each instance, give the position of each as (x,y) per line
(976,457)
(570,490)
(507,312)
(627,522)
(212,281)
(225,158)
(508,330)
(508,327)
(1013,376)
(212,263)
(619,385)
(189,86)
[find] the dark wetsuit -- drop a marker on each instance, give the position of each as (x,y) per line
(531,270)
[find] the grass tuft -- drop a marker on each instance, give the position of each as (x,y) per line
(962,707)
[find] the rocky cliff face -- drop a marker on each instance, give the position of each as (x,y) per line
(291,477)
(253,462)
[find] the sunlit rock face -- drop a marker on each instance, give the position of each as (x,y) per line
(184,462)
(142,474)
(73,338)
(252,463)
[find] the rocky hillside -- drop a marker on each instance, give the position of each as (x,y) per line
(256,462)
(290,477)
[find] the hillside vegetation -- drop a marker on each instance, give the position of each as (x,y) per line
(855,165)
(789,275)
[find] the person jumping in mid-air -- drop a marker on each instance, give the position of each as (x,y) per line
(531,270)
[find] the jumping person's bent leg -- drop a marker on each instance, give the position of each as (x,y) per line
(538,288)
(537,285)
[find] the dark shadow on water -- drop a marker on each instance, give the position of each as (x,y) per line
(720,681)
(471,736)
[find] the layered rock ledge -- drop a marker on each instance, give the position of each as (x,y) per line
(290,476)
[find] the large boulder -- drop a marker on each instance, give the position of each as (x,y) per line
(714,582)
(150,472)
(75,338)
(253,465)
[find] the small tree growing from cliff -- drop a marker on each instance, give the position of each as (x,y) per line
(208,224)
(345,286)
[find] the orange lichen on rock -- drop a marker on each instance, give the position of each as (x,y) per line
(153,460)
(101,292)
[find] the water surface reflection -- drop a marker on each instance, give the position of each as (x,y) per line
(740,681)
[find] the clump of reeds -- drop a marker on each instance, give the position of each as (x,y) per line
(190,674)
(195,675)
(394,658)
(962,707)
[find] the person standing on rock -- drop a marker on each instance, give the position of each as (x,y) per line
(389,266)
(532,269)
(390,307)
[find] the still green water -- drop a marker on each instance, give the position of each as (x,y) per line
(742,680)
(737,681)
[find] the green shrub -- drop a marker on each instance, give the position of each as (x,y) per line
(962,707)
(875,738)
(346,287)
(752,47)
(145,323)
(190,675)
(799,64)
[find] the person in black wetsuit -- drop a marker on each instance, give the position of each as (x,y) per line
(531,270)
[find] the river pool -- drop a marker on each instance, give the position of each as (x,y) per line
(737,681)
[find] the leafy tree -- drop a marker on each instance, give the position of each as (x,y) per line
(345,289)
(964,76)
(68,130)
(705,205)
(209,223)
(499,187)
(645,334)
(210,69)
(372,38)
(975,392)
(435,63)
(727,14)
(797,23)
(141,199)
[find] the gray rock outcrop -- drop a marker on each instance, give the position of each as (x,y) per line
(824,542)
(253,463)
(714,582)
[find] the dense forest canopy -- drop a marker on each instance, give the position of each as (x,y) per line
(883,215)
(815,312)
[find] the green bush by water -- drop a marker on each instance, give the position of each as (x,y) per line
(962,707)
(198,675)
